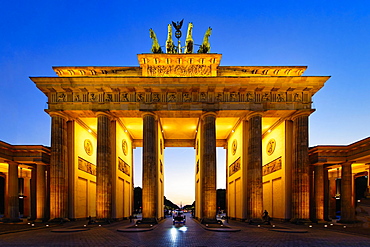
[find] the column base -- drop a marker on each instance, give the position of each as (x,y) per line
(258,221)
(39,220)
(300,221)
(209,221)
(9,220)
(367,193)
(150,221)
(103,221)
(59,220)
(349,221)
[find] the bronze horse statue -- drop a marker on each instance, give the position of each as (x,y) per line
(206,46)
(156,48)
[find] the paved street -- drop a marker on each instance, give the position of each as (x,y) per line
(192,234)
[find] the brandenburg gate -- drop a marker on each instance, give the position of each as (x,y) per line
(259,114)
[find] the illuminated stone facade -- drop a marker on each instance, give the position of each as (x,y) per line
(23,180)
(100,114)
(340,181)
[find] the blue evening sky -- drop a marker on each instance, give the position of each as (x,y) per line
(330,37)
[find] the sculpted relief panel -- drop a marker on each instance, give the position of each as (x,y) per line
(179,70)
(172,97)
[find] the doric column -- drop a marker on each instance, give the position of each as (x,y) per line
(27,195)
(254,191)
(347,200)
(208,166)
(58,168)
(150,166)
(40,192)
(321,192)
(12,185)
(367,193)
(331,197)
(47,194)
(34,193)
(300,170)
(104,168)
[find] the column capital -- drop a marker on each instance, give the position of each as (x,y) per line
(347,163)
(11,162)
(209,113)
(253,114)
(149,113)
(59,114)
(301,113)
(103,113)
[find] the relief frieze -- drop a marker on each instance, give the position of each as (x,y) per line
(174,97)
(86,166)
(123,167)
(234,167)
(190,70)
(271,167)
(171,97)
(186,97)
(124,97)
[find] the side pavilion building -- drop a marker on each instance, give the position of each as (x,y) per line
(259,114)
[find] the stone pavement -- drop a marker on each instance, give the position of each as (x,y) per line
(191,234)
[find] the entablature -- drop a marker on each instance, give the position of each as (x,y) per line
(178,65)
(355,152)
(25,154)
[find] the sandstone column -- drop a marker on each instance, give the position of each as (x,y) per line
(321,192)
(254,191)
(40,192)
(367,193)
(12,185)
(150,167)
(331,197)
(104,168)
(27,195)
(58,168)
(300,170)
(347,201)
(34,193)
(208,166)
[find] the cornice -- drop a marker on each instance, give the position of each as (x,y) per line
(335,153)
(221,71)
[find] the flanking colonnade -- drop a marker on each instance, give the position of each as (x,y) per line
(24,183)
(334,170)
